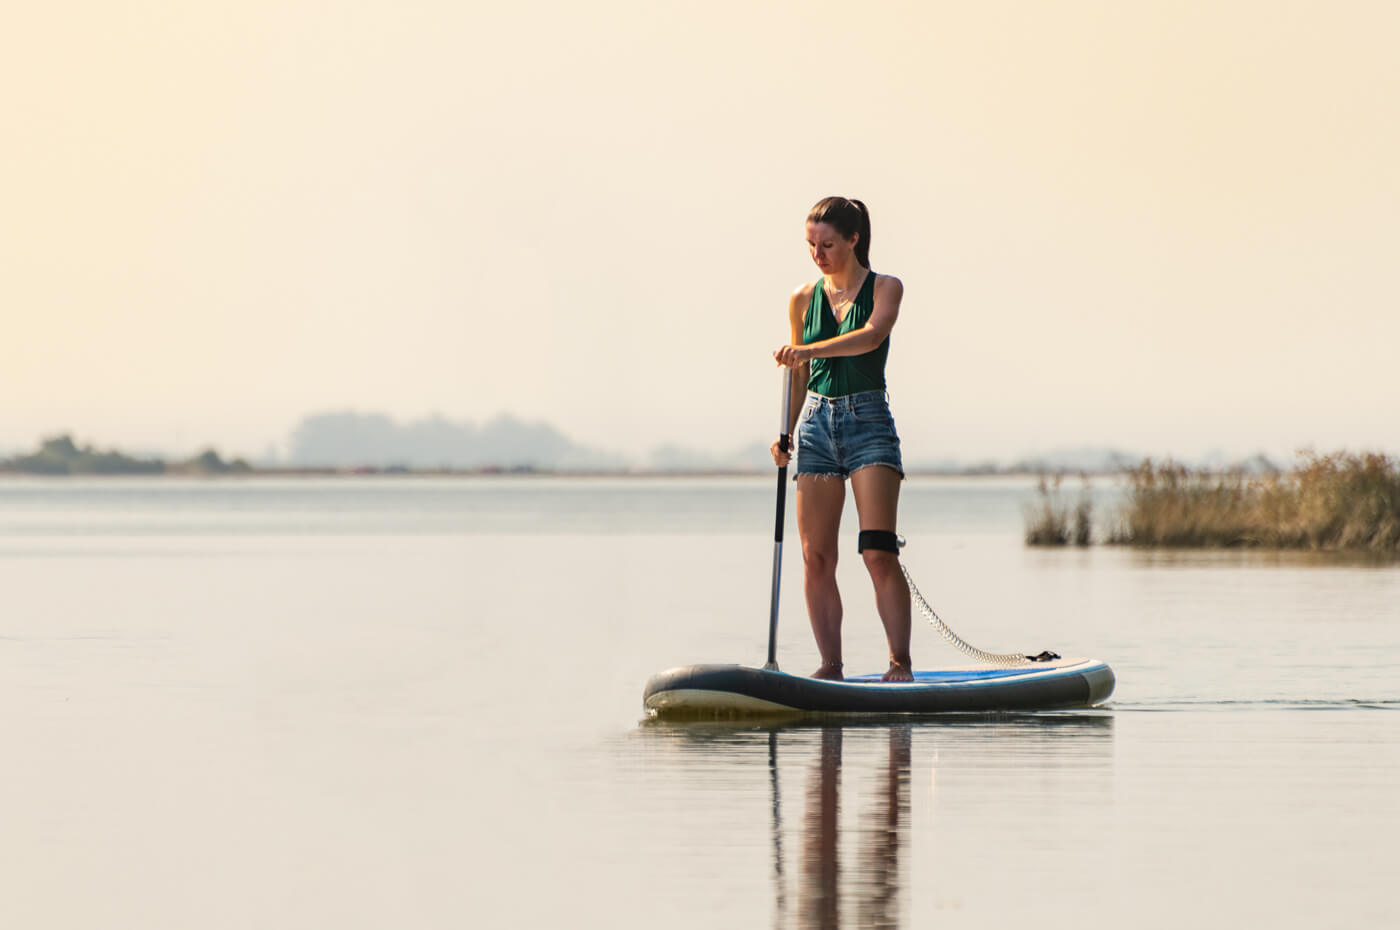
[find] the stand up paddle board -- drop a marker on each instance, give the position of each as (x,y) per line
(737,690)
(1004,682)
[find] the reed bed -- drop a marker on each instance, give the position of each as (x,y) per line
(1342,501)
(1052,521)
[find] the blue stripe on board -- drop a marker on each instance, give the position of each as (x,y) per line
(938,676)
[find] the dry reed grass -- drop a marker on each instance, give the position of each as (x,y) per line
(1342,501)
(1050,521)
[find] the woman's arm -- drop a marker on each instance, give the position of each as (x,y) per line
(889,291)
(799,372)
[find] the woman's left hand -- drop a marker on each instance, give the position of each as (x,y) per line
(792,356)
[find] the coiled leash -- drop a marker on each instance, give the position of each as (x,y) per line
(892,542)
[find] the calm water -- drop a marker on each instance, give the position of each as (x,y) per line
(417,703)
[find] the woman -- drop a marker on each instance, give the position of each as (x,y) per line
(840,337)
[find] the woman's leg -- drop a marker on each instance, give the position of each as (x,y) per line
(819,502)
(877,501)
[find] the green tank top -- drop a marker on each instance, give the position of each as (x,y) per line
(837,377)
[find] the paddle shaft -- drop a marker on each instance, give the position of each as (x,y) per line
(784,445)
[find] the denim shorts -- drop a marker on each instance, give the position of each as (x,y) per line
(838,435)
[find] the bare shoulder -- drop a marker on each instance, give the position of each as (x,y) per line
(800,300)
(888,284)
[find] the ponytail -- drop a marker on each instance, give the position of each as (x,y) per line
(862,249)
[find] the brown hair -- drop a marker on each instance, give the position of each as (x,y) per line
(849,218)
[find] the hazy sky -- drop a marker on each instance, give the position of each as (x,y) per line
(1168,226)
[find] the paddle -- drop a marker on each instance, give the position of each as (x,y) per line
(784,445)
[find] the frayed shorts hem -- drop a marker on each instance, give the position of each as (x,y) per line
(842,476)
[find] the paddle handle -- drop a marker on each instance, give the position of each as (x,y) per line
(784,445)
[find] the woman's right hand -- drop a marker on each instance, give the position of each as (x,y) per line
(792,355)
(780,458)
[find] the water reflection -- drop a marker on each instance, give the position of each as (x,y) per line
(818,892)
(852,858)
(881,831)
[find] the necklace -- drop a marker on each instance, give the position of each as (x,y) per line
(837,294)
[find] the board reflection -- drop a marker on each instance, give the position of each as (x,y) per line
(850,801)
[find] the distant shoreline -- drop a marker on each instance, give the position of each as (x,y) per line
(254,473)
(60,457)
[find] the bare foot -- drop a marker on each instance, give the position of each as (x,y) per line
(829,671)
(899,671)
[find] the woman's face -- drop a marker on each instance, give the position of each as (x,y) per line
(829,250)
